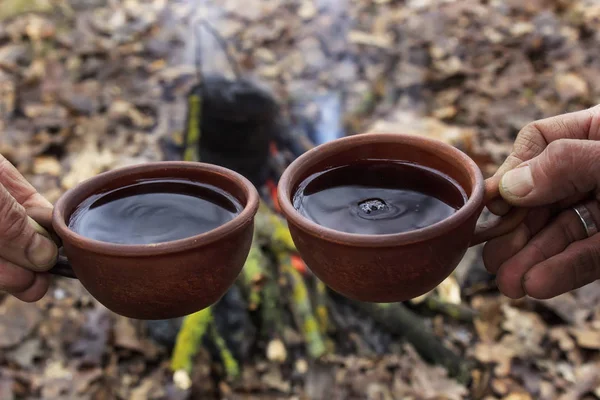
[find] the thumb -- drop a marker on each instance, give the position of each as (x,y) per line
(566,168)
(23,242)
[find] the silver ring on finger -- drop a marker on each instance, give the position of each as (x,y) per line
(586,219)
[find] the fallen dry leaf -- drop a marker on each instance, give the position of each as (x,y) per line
(413,124)
(91,346)
(84,379)
(587,338)
(587,379)
(501,386)
(571,86)
(528,330)
(126,336)
(25,353)
(547,391)
(90,161)
(489,318)
(39,28)
(449,291)
(128,112)
(47,165)
(273,379)
(565,306)
(500,354)
(561,335)
(142,392)
(432,381)
(17,320)
(57,380)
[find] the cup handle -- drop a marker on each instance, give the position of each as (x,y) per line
(43,216)
(500,225)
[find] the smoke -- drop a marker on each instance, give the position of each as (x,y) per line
(202,48)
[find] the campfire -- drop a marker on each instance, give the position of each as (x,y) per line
(238,123)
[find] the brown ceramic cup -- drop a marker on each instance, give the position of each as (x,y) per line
(163,280)
(394,267)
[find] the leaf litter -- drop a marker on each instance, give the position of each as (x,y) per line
(86,86)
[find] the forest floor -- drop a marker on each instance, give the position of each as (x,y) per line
(90,85)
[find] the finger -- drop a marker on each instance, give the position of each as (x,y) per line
(550,241)
(575,199)
(500,207)
(565,169)
(575,267)
(14,279)
(536,136)
(497,206)
(37,290)
(22,241)
(533,139)
(498,250)
(18,187)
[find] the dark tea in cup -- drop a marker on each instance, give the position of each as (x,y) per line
(378,197)
(154,211)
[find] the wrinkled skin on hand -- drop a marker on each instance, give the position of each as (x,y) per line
(554,165)
(25,248)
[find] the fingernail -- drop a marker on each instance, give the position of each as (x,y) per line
(518,182)
(42,252)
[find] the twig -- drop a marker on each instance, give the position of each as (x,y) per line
(455,311)
(193,132)
(232,367)
(189,339)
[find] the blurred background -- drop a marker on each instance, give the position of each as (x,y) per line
(91,85)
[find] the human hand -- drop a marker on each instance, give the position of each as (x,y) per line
(26,250)
(554,166)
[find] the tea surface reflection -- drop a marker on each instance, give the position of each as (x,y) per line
(377,197)
(154,211)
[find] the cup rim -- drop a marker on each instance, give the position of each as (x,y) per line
(290,176)
(95,183)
